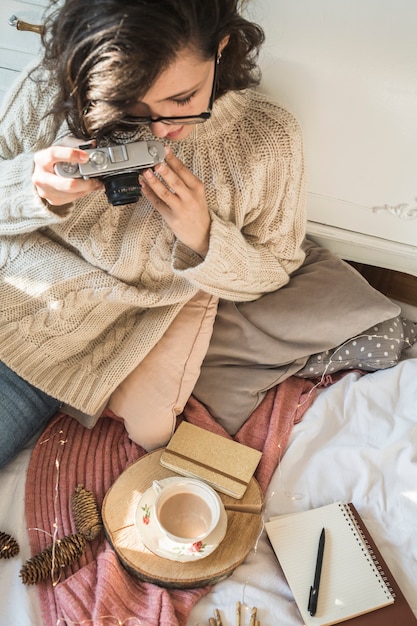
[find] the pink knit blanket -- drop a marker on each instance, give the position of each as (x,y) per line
(97,590)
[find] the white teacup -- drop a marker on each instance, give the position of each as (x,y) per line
(186,511)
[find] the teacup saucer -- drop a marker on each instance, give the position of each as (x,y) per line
(159,544)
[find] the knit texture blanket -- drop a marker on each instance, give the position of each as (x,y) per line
(97,590)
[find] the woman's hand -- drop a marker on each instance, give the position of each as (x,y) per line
(181,201)
(55,189)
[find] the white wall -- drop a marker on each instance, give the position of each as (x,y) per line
(348,70)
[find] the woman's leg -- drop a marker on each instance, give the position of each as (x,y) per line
(23,411)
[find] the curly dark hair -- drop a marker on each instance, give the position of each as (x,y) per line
(105,54)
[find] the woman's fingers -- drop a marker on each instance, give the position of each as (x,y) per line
(178,195)
(182,172)
(59,190)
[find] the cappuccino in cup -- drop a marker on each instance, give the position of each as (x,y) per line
(187,511)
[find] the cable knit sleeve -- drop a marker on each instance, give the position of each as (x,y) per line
(24,128)
(257,208)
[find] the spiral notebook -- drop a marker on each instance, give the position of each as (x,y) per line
(356,586)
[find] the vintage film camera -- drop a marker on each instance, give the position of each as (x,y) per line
(117,166)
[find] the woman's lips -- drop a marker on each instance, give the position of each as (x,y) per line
(175,133)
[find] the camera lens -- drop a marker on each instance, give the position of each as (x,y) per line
(122,188)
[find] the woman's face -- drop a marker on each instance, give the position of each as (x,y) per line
(184,88)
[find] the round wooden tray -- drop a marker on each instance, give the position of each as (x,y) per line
(118,512)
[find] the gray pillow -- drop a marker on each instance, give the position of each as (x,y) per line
(377,348)
(256,345)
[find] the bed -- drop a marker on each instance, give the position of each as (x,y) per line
(357,441)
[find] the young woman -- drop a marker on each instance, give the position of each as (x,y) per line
(105,305)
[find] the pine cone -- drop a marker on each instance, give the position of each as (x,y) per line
(8,546)
(87,518)
(55,557)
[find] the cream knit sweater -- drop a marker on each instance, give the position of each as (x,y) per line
(86,290)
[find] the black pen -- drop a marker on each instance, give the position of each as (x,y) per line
(314,590)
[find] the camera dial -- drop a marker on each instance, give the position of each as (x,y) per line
(99,160)
(68,169)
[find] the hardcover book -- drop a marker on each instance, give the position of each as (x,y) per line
(226,465)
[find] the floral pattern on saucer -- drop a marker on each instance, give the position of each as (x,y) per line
(160,545)
(146,518)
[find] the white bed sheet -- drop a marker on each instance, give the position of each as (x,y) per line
(358,442)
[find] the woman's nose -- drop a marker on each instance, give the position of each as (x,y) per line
(159,129)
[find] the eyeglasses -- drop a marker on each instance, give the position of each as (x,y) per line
(132,120)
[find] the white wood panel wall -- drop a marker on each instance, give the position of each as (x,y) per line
(17,47)
(348,70)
